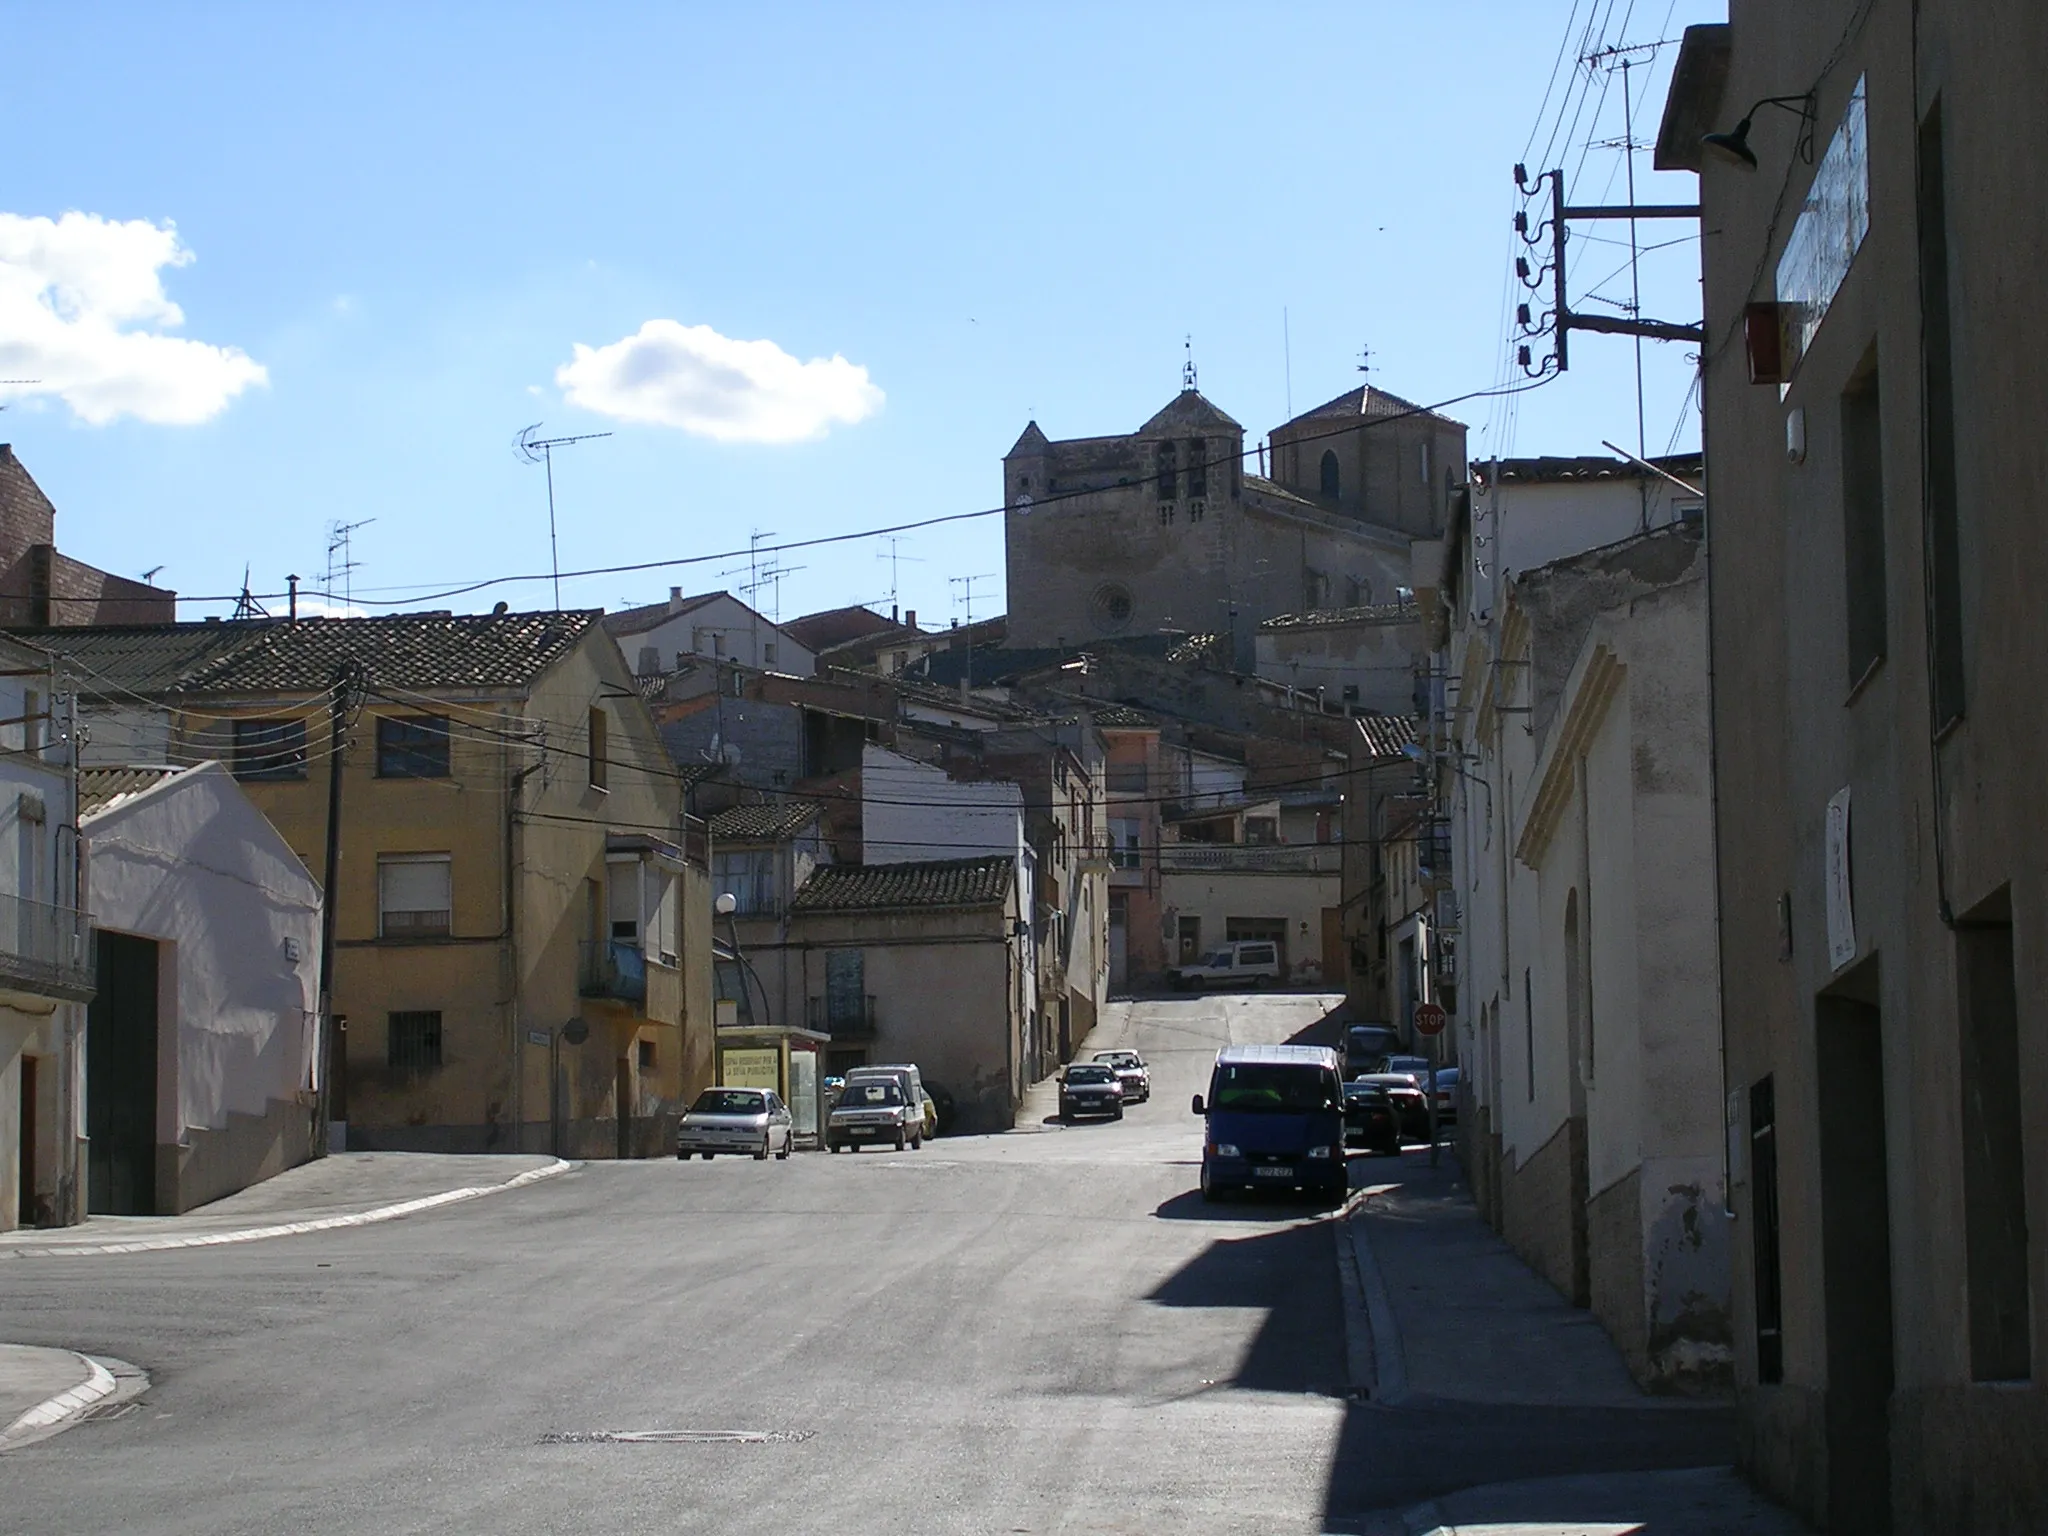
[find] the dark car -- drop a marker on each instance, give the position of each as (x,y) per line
(1369,1118)
(1411,1108)
(1447,1096)
(1090,1088)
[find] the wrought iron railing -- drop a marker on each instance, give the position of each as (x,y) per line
(1252,858)
(51,951)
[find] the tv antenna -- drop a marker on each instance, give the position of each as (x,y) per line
(894,553)
(149,576)
(1365,359)
(246,606)
(342,570)
(535,449)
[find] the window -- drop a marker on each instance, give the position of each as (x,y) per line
(267,750)
(598,763)
(1332,478)
(1763,1199)
(1169,479)
(1863,522)
(1166,514)
(650,660)
(413,1042)
(413,895)
(622,901)
(1198,467)
(1356,593)
(1195,510)
(412,747)
(1126,843)
(767,653)
(749,874)
(1263,830)
(1938,431)
(646,1055)
(1127,778)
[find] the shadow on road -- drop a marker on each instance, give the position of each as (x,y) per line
(1190,1206)
(1290,1274)
(1327,1030)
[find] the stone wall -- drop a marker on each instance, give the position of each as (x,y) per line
(1537,1207)
(1614,1260)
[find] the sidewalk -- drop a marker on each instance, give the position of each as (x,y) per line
(45,1391)
(1533,1424)
(348,1189)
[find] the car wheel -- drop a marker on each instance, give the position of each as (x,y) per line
(682,1157)
(1211,1191)
(705,1155)
(900,1141)
(788,1146)
(1117,1113)
(917,1142)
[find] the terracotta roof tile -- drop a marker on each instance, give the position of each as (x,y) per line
(1386,735)
(764,823)
(99,788)
(937,884)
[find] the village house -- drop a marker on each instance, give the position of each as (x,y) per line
(710,627)
(201,1043)
(522,952)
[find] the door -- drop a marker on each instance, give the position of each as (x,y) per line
(1190,940)
(25,1212)
(120,1079)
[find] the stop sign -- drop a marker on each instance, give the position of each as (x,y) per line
(1429,1019)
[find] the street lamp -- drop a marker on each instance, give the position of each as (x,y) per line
(1733,146)
(726,905)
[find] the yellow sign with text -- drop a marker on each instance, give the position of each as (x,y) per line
(753,1068)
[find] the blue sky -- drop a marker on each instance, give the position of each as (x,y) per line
(408,218)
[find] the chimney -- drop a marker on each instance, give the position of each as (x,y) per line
(910,618)
(675,598)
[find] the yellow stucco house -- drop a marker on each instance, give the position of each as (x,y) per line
(522,910)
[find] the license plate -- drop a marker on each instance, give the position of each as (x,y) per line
(863,1130)
(1272,1173)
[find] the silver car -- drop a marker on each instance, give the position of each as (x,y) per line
(874,1112)
(1130,1070)
(736,1120)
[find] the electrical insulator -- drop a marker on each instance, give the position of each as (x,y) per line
(1521,174)
(1522,268)
(1521,222)
(1522,315)
(1522,356)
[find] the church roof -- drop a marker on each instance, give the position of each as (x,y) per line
(1030,440)
(1190,408)
(1364,401)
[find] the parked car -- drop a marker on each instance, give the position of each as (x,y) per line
(1415,1068)
(1411,1108)
(1370,1119)
(1090,1088)
(1447,1096)
(906,1076)
(1243,962)
(1131,1071)
(871,1111)
(736,1120)
(1273,1119)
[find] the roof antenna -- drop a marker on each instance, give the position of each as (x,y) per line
(246,607)
(1187,368)
(535,449)
(1365,359)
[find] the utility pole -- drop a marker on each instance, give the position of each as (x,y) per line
(328,1051)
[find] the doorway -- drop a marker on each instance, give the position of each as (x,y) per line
(25,1211)
(1190,940)
(120,1079)
(1856,1285)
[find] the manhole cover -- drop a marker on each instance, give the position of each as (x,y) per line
(678,1437)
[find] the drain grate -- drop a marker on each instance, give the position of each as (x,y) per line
(107,1412)
(678,1437)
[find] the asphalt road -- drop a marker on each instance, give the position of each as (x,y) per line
(1029,1333)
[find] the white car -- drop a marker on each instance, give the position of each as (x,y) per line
(873,1111)
(1130,1070)
(735,1120)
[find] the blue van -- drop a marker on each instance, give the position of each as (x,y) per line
(1275,1120)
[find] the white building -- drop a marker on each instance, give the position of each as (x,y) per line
(666,637)
(201,1045)
(1572,763)
(46,956)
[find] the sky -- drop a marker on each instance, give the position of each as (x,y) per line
(271,269)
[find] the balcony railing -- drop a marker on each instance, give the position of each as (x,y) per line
(1252,858)
(841,1019)
(45,950)
(612,968)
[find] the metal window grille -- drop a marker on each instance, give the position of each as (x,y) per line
(413,1044)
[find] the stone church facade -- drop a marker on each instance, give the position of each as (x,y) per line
(1163,528)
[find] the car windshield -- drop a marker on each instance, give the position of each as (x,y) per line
(1273,1088)
(1116,1059)
(1090,1075)
(728,1101)
(871,1095)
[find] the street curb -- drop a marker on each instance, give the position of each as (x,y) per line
(48,1416)
(1387,1383)
(294,1228)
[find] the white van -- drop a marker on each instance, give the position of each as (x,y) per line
(905,1075)
(1242,962)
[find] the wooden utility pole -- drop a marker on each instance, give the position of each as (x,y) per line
(345,693)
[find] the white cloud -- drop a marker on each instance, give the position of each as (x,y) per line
(709,385)
(83,310)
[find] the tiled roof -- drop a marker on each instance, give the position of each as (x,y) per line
(1325,618)
(835,626)
(635,621)
(938,883)
(404,650)
(98,788)
(1190,408)
(1386,735)
(764,823)
(1556,469)
(1365,401)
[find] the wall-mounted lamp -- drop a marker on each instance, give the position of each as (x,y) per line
(1733,147)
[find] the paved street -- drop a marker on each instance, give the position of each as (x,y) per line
(1036,1332)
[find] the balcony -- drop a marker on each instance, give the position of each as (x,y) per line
(613,969)
(47,951)
(1251,858)
(840,1018)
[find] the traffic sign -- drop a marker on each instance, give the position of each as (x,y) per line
(1429,1019)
